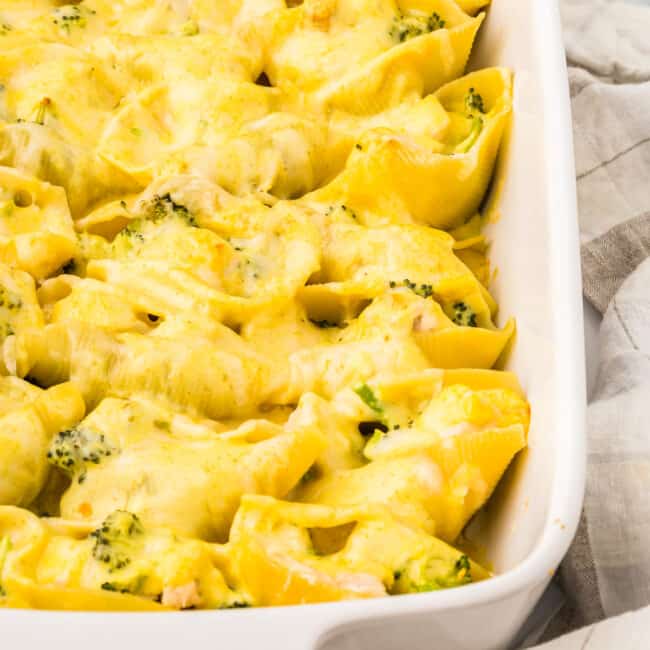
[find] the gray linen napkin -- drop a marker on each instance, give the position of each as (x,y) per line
(607,570)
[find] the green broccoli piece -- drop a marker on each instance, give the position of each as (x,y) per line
(162,207)
(432,574)
(380,425)
(422,290)
(474,103)
(405,28)
(133,231)
(462,565)
(472,137)
(116,541)
(68,16)
(463,315)
(156,211)
(474,109)
(73,449)
(132,586)
(369,398)
(459,574)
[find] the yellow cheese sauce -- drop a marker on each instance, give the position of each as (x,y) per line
(248,350)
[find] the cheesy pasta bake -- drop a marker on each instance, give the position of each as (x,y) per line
(247,347)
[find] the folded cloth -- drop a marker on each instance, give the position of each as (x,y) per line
(627,632)
(607,570)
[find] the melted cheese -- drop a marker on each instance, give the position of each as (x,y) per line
(27,424)
(246,335)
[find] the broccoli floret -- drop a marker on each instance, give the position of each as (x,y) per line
(474,109)
(459,574)
(463,315)
(116,541)
(462,565)
(370,399)
(474,102)
(73,449)
(161,207)
(431,574)
(407,27)
(472,137)
(67,16)
(134,231)
(422,290)
(131,586)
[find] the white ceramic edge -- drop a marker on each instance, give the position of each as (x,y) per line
(306,626)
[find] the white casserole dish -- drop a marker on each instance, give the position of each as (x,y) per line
(532,518)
